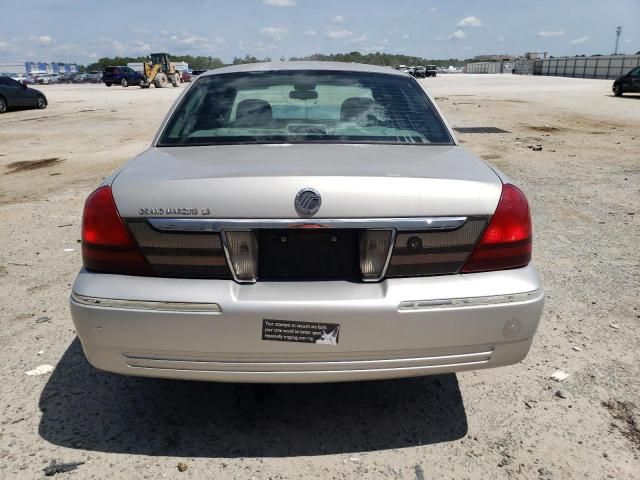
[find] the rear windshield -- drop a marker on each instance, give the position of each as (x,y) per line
(110,70)
(304,106)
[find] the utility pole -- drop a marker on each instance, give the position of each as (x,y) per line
(618,32)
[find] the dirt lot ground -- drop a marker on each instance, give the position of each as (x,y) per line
(514,422)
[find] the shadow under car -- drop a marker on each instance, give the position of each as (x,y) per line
(85,408)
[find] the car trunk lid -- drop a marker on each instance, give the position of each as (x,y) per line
(262,181)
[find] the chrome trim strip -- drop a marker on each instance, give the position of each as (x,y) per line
(187,307)
(267,373)
(141,357)
(217,225)
(421,305)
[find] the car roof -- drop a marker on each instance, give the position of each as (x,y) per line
(293,66)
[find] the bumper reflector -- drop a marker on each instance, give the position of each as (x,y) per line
(146,305)
(413,305)
(375,249)
(242,251)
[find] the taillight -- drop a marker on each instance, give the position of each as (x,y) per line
(106,243)
(506,243)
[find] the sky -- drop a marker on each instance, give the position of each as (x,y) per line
(82,31)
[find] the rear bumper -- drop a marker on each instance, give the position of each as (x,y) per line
(380,336)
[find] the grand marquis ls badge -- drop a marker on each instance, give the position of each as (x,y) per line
(308,202)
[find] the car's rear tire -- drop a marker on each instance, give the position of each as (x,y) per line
(125,83)
(41,102)
(617,90)
(108,84)
(3,105)
(141,83)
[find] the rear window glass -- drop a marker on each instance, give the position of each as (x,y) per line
(304,106)
(111,70)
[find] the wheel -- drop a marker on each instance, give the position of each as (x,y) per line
(41,102)
(124,82)
(160,81)
(617,90)
(108,84)
(3,105)
(142,83)
(175,80)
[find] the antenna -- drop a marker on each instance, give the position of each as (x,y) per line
(618,32)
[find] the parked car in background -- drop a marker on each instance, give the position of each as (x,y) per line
(628,83)
(29,79)
(14,94)
(419,72)
(47,78)
(67,77)
(79,78)
(195,73)
(368,245)
(185,76)
(431,70)
(124,76)
(18,77)
(93,77)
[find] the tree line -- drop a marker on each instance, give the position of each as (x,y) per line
(210,63)
(380,58)
(195,63)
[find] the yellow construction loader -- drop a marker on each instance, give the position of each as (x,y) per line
(160,71)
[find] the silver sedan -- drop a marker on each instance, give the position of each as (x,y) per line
(305,222)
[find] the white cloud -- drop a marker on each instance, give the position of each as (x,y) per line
(189,40)
(500,39)
(338,34)
(135,47)
(280,3)
(580,40)
(338,19)
(360,40)
(405,36)
(276,33)
(546,33)
(42,39)
(470,22)
(457,35)
(433,9)
(65,48)
(311,32)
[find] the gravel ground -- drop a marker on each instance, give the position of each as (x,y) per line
(572,147)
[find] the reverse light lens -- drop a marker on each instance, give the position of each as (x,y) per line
(506,242)
(374,251)
(106,244)
(242,247)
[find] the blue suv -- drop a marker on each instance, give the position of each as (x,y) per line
(124,76)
